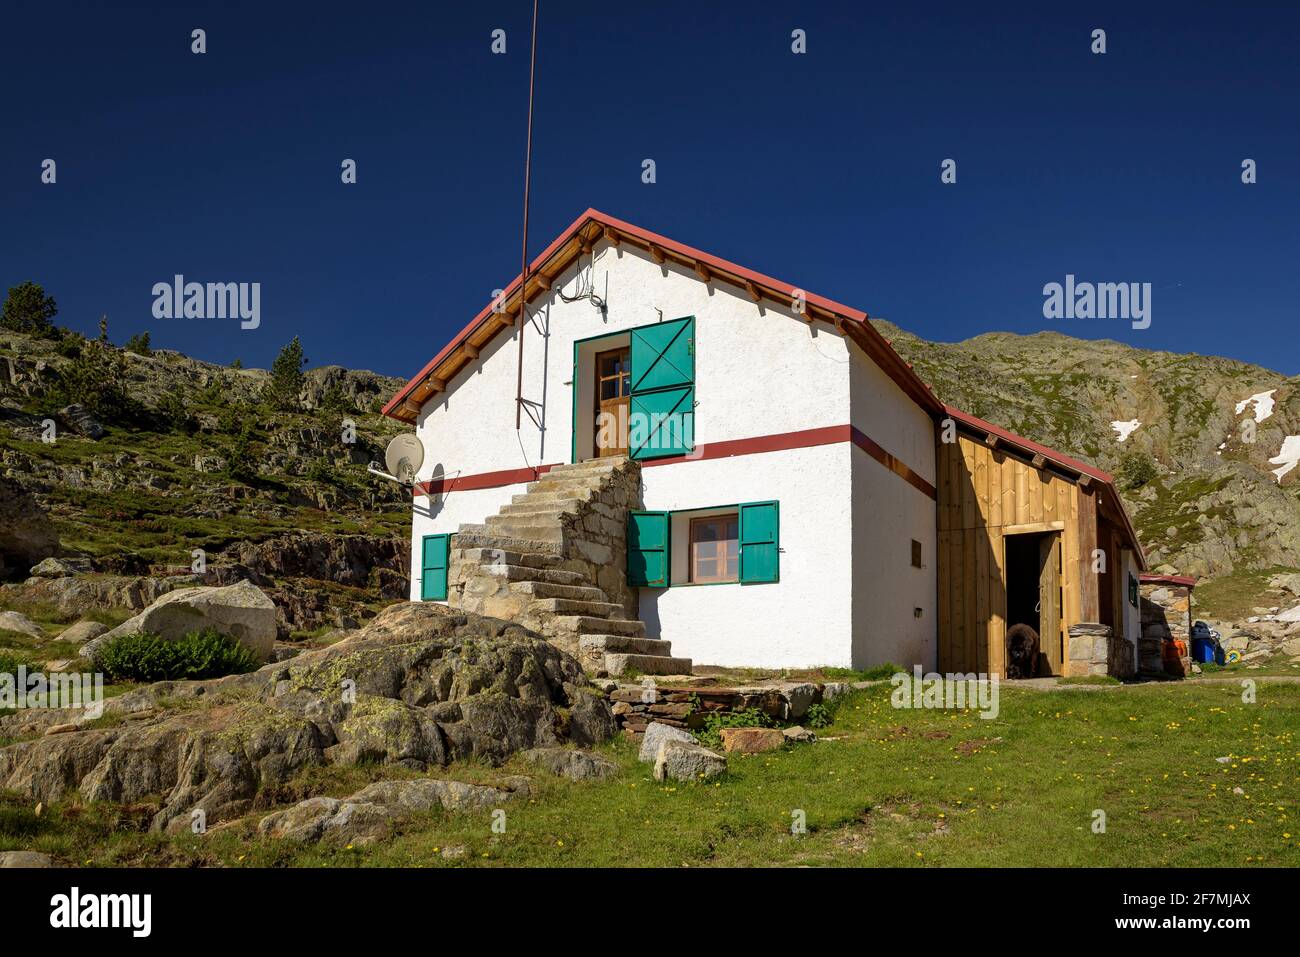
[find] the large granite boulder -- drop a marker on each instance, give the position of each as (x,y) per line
(17,621)
(83,631)
(421,685)
(656,734)
(241,611)
(571,763)
(365,816)
(686,761)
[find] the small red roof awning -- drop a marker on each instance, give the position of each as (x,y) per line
(1185,581)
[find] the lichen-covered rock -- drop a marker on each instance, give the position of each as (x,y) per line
(16,621)
(365,816)
(25,859)
(687,761)
(572,764)
(656,734)
(422,686)
(83,631)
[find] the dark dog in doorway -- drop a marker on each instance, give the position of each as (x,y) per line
(1022,652)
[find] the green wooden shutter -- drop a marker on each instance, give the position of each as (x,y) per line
(436,550)
(1132,590)
(662,407)
(760,542)
(647,549)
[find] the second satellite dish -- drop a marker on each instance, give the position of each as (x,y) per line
(404,456)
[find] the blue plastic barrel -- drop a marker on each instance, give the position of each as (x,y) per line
(1203,650)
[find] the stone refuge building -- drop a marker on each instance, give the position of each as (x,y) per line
(658,457)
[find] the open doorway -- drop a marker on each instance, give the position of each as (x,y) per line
(1032,562)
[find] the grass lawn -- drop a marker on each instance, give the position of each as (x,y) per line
(883,787)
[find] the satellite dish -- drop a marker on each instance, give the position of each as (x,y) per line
(404,456)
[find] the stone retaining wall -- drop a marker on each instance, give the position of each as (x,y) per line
(636,706)
(1166,618)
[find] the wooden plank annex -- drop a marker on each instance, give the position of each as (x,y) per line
(1017,535)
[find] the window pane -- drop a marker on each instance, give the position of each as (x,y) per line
(609,388)
(706,568)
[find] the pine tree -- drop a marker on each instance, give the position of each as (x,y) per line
(28,309)
(286,377)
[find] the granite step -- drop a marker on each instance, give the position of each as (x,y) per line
(610,644)
(550,590)
(587,625)
(573,606)
(620,663)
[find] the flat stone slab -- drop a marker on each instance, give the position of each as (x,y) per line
(751,740)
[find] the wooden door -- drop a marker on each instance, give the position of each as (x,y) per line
(613,381)
(1050,643)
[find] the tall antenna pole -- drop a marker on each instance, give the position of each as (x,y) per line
(523,269)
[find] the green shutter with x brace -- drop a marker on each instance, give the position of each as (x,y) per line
(662,405)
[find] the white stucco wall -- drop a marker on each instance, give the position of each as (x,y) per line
(801,621)
(888,514)
(1132,616)
(759,369)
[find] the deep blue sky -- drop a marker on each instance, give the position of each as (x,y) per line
(820,169)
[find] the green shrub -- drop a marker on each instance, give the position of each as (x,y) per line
(818,716)
(10,661)
(198,655)
(710,734)
(1136,469)
(139,344)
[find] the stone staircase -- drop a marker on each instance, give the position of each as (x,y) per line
(553,560)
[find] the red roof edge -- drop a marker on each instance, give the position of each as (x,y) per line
(890,362)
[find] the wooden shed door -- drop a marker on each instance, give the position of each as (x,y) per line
(1049,601)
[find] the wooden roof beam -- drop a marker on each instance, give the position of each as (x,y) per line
(612,235)
(702,271)
(657,254)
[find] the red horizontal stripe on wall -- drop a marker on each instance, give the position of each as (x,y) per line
(466,483)
(897,466)
(803,439)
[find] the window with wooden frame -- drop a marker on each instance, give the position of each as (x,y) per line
(715,549)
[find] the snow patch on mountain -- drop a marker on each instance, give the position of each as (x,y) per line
(1125,429)
(1263,402)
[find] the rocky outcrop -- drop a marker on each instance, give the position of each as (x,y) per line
(241,611)
(26,534)
(420,686)
(353,560)
(366,816)
(570,763)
